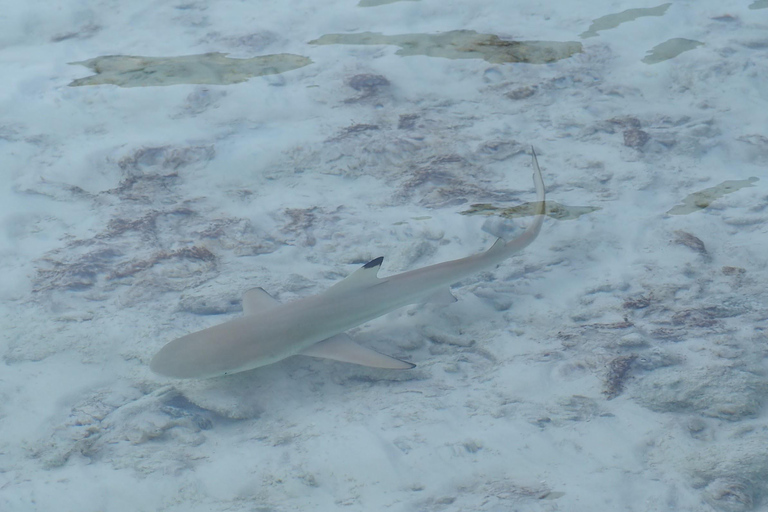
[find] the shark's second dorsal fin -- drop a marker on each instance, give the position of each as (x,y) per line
(365,276)
(443,296)
(256,299)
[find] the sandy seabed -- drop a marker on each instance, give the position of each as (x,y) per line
(196,150)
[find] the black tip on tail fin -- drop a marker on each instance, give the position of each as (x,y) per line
(374,263)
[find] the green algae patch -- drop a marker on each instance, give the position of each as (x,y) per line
(207,68)
(670,49)
(374,3)
(403,222)
(463,44)
(759,4)
(614,20)
(555,210)
(700,200)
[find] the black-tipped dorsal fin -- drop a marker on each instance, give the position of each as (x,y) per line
(367,275)
(375,263)
(256,299)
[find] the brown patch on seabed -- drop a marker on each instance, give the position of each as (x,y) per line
(462,44)
(207,68)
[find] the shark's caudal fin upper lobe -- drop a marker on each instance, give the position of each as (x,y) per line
(503,249)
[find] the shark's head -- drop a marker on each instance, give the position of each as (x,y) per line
(231,347)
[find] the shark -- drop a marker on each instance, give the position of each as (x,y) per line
(315,326)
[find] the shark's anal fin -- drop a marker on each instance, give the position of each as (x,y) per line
(256,299)
(342,348)
(365,276)
(443,296)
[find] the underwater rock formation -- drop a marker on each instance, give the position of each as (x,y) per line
(207,68)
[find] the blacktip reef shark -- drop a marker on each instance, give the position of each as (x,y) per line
(314,326)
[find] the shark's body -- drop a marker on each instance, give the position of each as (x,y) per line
(314,326)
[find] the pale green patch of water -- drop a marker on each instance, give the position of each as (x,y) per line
(554,210)
(670,49)
(614,20)
(700,200)
(374,3)
(463,44)
(759,4)
(427,217)
(207,68)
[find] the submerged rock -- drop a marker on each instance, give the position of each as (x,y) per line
(702,199)
(614,20)
(554,210)
(463,44)
(670,49)
(207,68)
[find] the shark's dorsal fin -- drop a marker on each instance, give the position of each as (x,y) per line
(365,276)
(342,348)
(256,300)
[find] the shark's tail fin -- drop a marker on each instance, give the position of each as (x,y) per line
(503,249)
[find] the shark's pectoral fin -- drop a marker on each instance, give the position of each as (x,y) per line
(342,348)
(256,299)
(443,296)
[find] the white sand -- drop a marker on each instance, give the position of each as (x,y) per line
(614,365)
